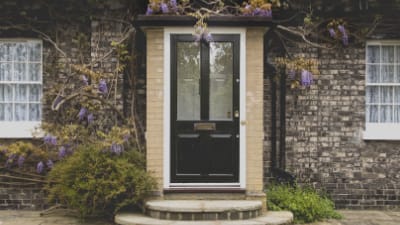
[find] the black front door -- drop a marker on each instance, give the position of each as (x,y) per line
(205,109)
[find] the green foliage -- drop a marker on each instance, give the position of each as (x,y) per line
(304,202)
(96,182)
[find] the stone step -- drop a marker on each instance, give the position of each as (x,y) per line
(268,218)
(203,209)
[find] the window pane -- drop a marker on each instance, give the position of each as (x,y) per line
(34,72)
(5,72)
(21,93)
(386,95)
(387,54)
(221,76)
(372,94)
(5,112)
(35,52)
(373,55)
(398,54)
(34,112)
(20,112)
(6,94)
(9,49)
(386,114)
(396,115)
(34,92)
(397,95)
(20,72)
(373,74)
(3,52)
(19,53)
(372,113)
(188,78)
(387,74)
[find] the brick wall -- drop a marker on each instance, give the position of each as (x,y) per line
(324,142)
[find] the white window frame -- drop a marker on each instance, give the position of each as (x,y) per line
(167,107)
(381,131)
(24,129)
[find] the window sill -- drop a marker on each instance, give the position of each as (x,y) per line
(376,131)
(20,130)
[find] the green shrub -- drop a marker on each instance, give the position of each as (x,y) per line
(305,203)
(94,182)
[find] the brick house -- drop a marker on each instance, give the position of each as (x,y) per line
(217,124)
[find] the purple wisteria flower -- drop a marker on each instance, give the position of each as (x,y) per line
(62,152)
(21,160)
(49,164)
(85,80)
(103,86)
(10,160)
(332,32)
(40,167)
(149,11)
(82,113)
(306,78)
(345,37)
(49,139)
(116,148)
(164,8)
(90,118)
(126,137)
(174,6)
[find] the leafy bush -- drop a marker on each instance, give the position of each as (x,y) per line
(305,203)
(93,181)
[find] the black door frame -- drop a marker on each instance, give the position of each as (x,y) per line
(204,102)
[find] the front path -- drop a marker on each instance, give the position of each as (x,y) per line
(365,217)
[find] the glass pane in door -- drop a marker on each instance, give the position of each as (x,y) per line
(221,78)
(188,80)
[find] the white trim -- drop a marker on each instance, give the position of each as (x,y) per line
(22,129)
(167,81)
(381,131)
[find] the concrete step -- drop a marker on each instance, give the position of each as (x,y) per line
(203,209)
(268,218)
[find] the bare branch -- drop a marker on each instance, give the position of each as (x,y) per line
(303,36)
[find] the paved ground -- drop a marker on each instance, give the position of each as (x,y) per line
(13,217)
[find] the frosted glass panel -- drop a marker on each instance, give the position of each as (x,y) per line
(221,76)
(373,75)
(34,112)
(373,54)
(387,73)
(398,54)
(372,113)
(387,54)
(188,79)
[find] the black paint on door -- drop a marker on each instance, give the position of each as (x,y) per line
(205,109)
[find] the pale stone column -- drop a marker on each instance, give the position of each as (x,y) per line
(254,113)
(154,104)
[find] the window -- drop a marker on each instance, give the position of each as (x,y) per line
(383,90)
(20,87)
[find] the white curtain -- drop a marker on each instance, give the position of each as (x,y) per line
(20,81)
